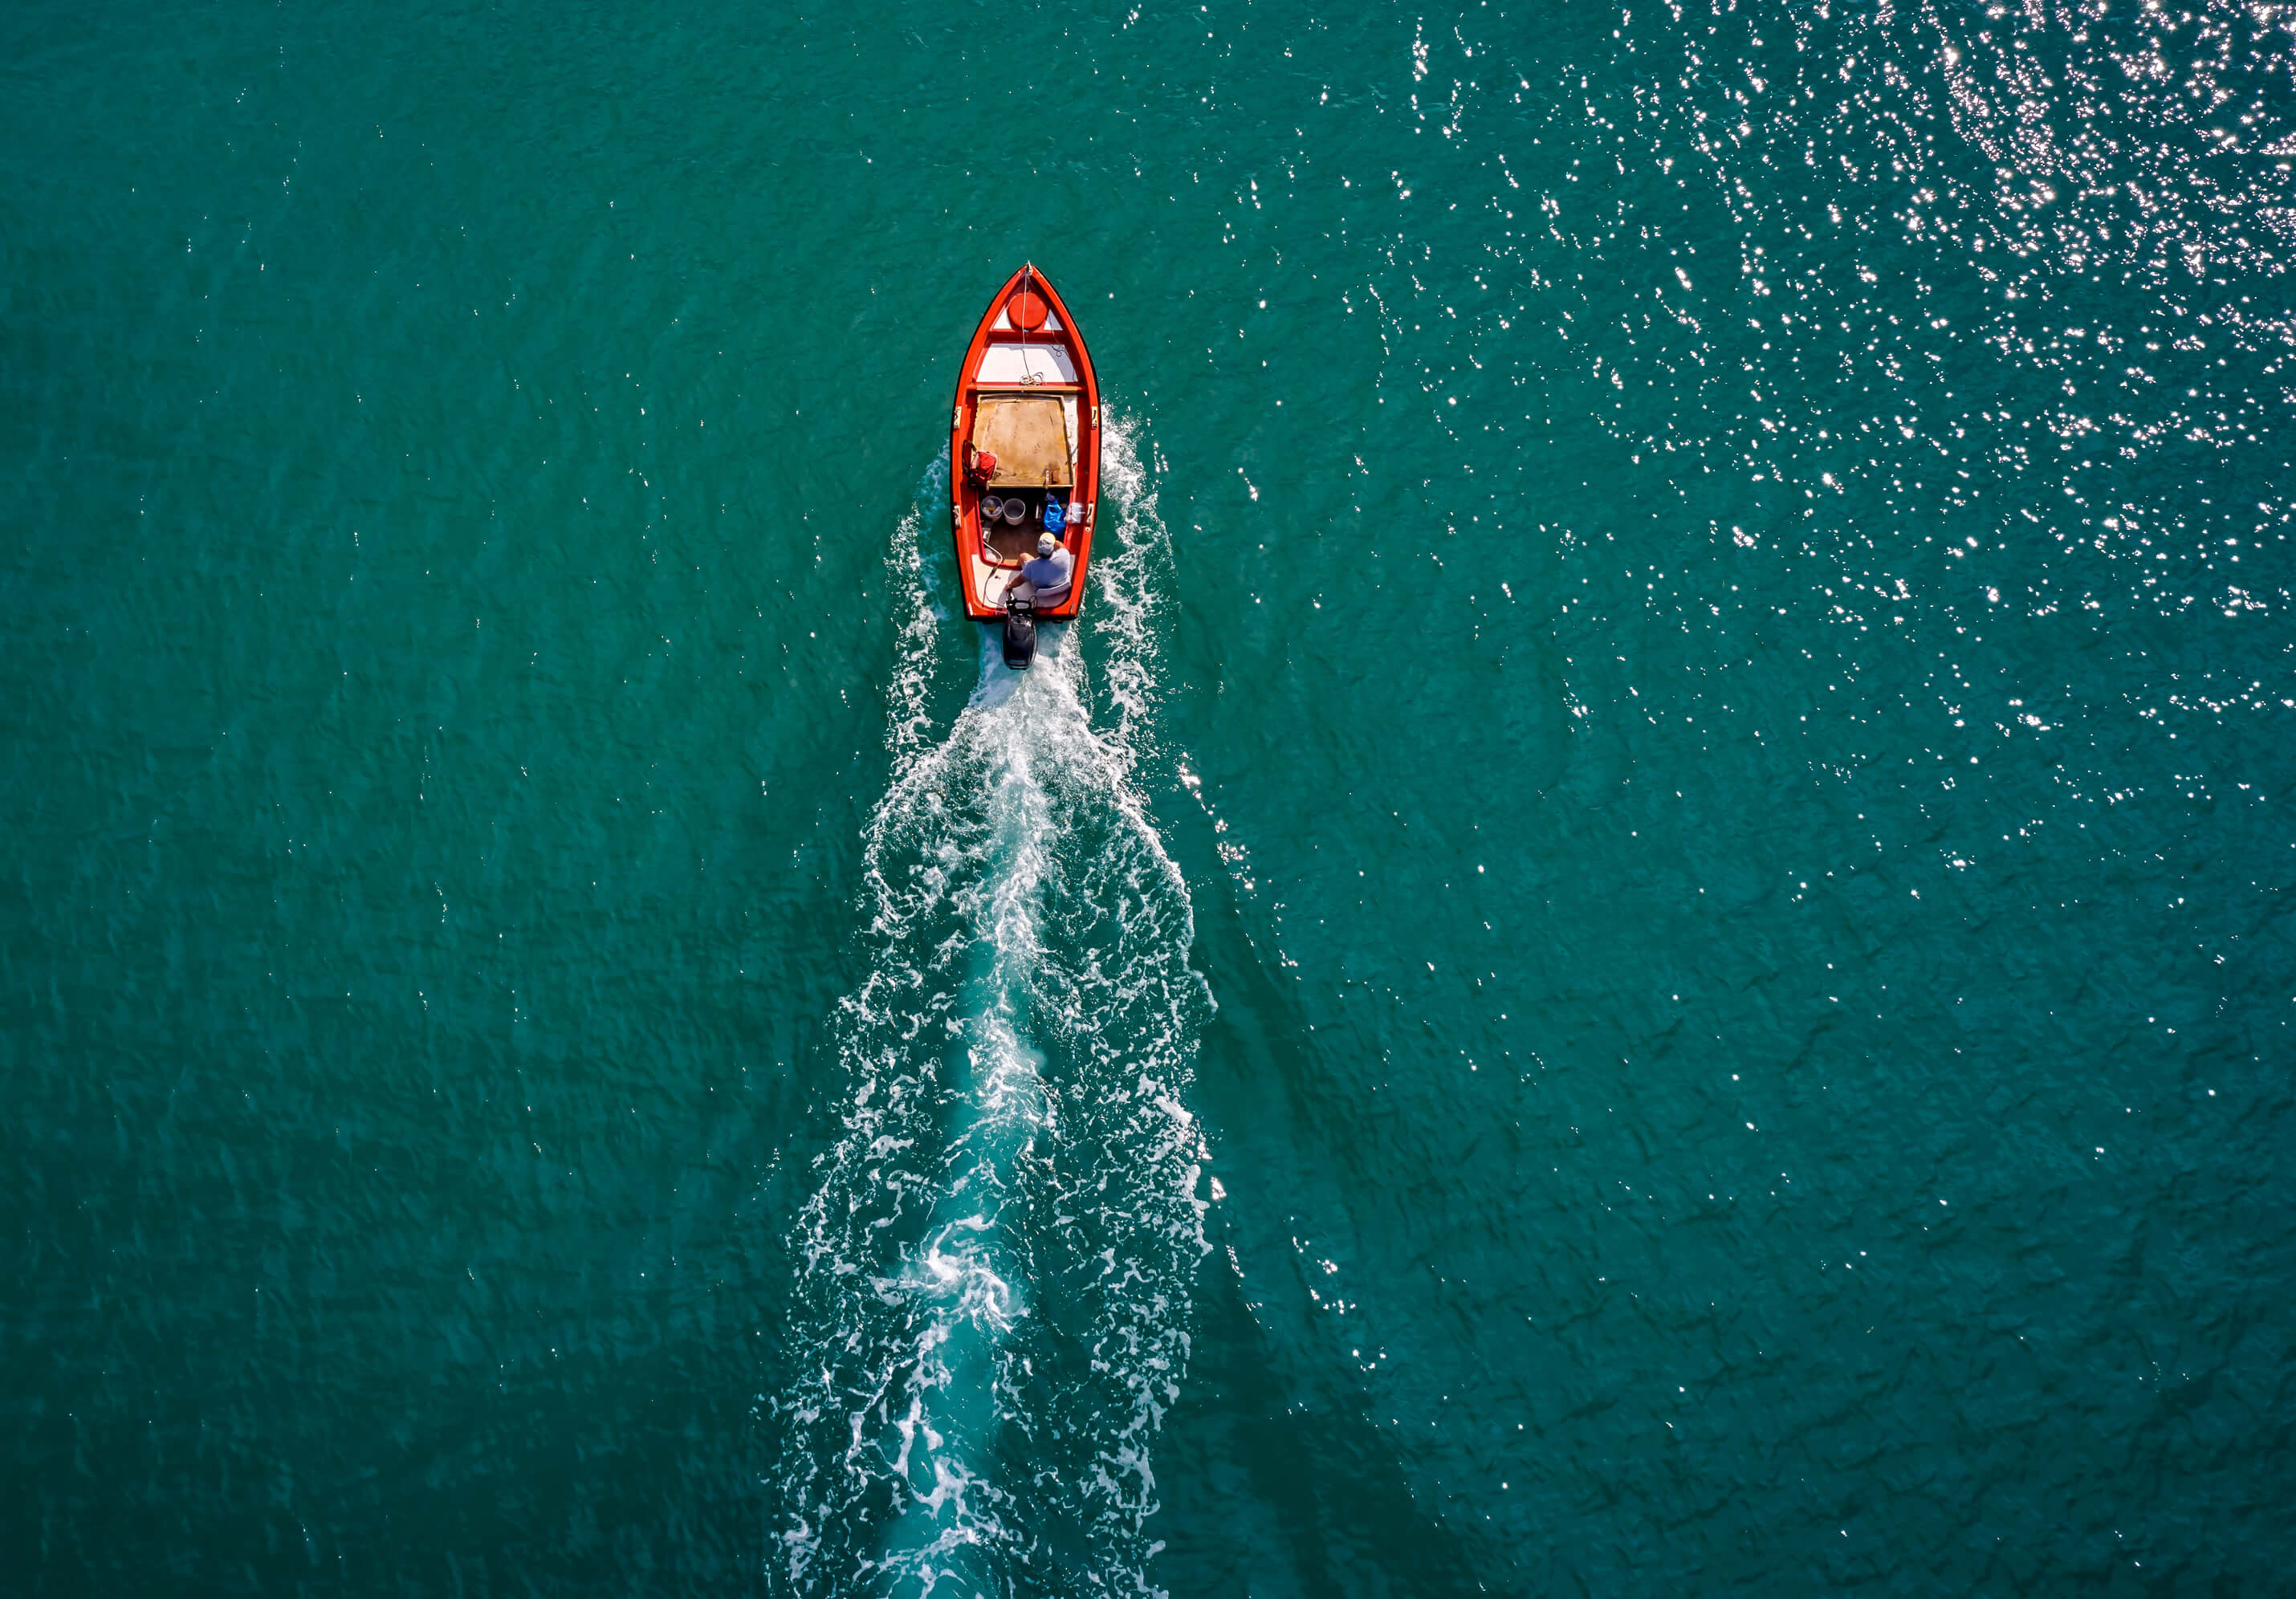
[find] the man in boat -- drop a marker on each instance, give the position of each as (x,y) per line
(1051,571)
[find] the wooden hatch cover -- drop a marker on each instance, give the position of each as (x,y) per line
(1028,434)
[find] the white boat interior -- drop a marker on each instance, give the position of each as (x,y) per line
(1027,364)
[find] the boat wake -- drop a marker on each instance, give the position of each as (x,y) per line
(992,1300)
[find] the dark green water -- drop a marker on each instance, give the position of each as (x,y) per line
(1642,946)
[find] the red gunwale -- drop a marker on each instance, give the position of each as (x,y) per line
(965,499)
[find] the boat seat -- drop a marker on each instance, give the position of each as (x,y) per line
(1028,434)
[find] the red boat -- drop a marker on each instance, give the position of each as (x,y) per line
(1024,458)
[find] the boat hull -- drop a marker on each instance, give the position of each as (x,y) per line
(1026,396)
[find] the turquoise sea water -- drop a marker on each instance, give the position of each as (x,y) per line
(1641,945)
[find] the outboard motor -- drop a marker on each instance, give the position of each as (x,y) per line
(1019,624)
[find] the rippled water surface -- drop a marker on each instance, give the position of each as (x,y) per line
(1641,944)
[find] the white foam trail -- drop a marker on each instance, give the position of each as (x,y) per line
(995,1268)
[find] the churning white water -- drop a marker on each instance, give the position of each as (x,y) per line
(994,1265)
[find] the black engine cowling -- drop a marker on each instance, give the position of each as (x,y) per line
(1020,625)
